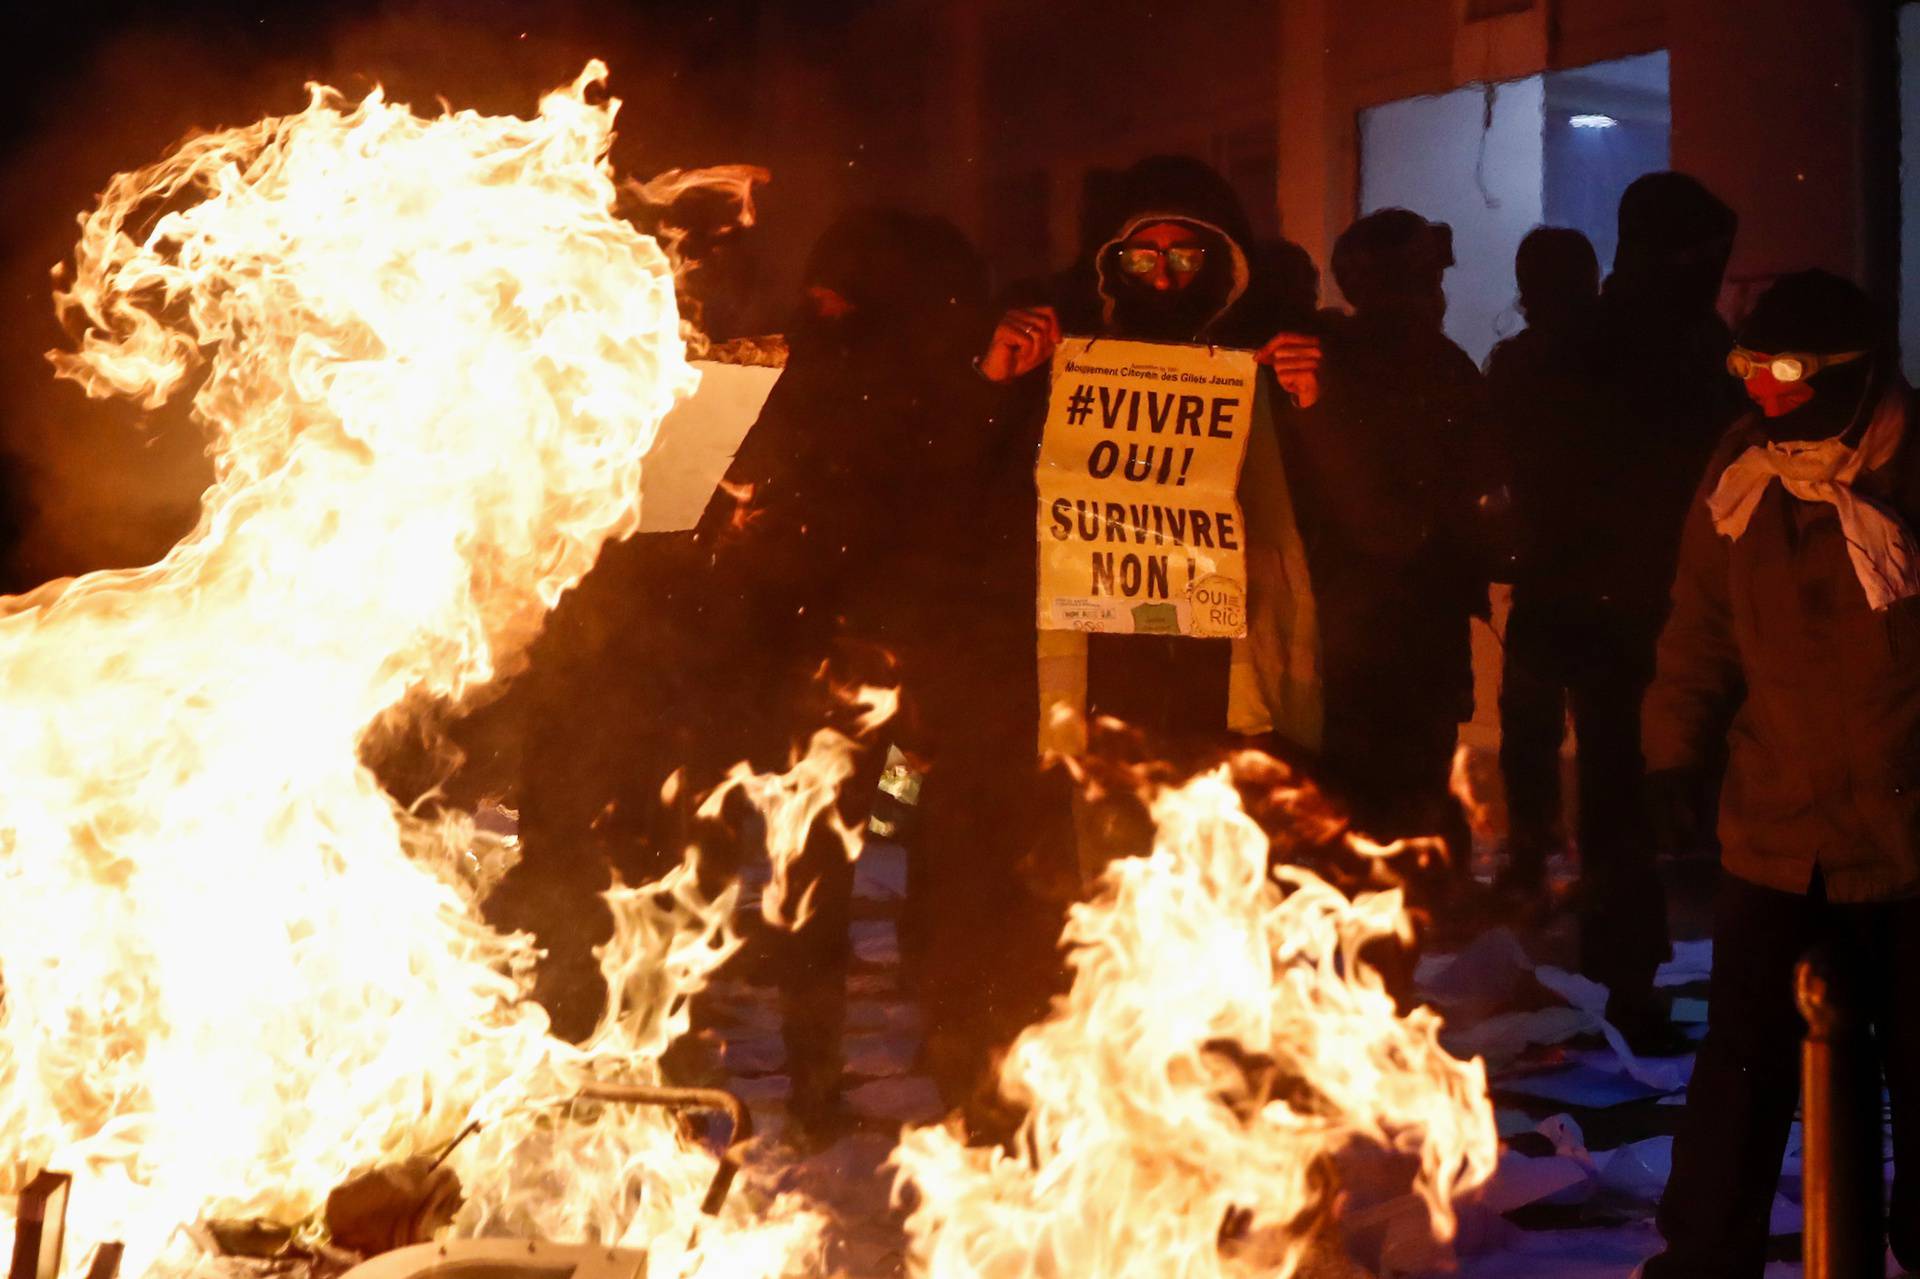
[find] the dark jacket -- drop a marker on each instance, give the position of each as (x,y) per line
(850,512)
(1772,646)
(1387,470)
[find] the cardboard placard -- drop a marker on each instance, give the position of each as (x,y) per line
(1140,530)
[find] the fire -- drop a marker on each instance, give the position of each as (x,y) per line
(1224,1042)
(791,803)
(430,361)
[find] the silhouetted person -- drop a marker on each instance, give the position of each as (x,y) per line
(1556,655)
(1558,277)
(1386,471)
(843,553)
(1610,428)
(1792,643)
(1171,257)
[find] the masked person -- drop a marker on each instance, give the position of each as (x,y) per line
(1173,259)
(1387,469)
(1795,625)
(1606,413)
(833,550)
(1169,256)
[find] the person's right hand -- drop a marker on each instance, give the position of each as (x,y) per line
(1022,341)
(1295,359)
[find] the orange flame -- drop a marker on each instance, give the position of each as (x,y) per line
(1224,1040)
(430,360)
(791,803)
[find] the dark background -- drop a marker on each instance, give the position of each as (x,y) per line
(988,111)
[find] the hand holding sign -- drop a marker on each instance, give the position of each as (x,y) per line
(1023,340)
(1295,361)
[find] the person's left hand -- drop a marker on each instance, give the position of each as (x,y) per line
(1295,360)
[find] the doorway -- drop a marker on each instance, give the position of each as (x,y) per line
(1494,161)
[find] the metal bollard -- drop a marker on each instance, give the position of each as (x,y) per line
(1843,1189)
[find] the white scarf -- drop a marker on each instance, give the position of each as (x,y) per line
(1885,556)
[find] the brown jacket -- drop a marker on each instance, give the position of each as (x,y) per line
(1771,642)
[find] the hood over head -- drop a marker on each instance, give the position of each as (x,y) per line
(1181,189)
(902,273)
(1390,264)
(1675,239)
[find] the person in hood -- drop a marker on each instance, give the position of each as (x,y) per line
(1556,661)
(1792,645)
(1171,258)
(1388,468)
(1607,413)
(835,552)
(1168,255)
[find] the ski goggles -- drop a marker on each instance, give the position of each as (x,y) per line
(1788,366)
(1181,259)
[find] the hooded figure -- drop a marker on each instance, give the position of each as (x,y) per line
(1387,468)
(1189,695)
(835,549)
(1606,412)
(1792,647)
(1227,304)
(1007,847)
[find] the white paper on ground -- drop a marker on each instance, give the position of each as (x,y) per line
(1590,996)
(698,441)
(1609,1252)
(1502,1038)
(881,873)
(1527,1179)
(880,1056)
(1486,973)
(902,1098)
(1692,961)
(1637,1170)
(875,941)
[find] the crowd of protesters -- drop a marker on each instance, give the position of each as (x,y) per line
(1709,540)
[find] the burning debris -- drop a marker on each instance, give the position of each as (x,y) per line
(1189,1102)
(429,359)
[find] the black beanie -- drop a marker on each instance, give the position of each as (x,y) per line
(1815,311)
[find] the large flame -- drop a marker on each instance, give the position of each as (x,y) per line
(1223,1043)
(430,360)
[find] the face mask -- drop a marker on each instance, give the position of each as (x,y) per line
(1173,315)
(1838,397)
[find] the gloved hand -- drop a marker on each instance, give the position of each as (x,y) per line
(1674,820)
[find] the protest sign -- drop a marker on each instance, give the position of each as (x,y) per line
(1140,530)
